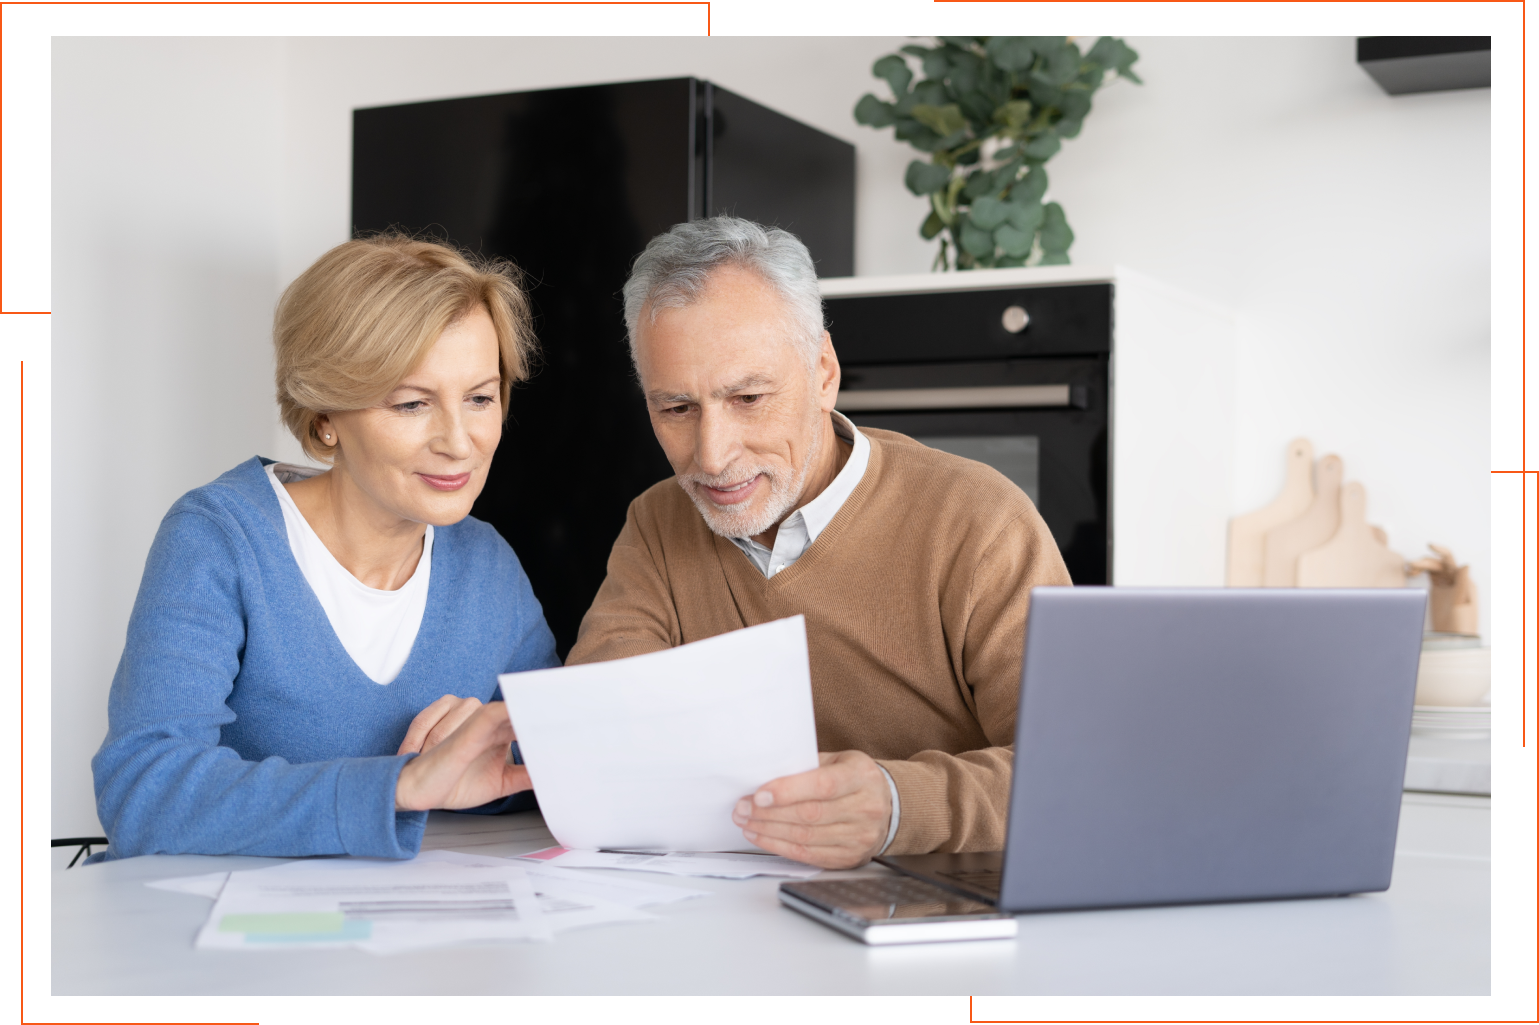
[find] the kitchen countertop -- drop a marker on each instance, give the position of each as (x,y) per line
(1449,766)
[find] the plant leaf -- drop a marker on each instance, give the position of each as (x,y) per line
(977,241)
(932,226)
(895,70)
(874,112)
(1056,235)
(1060,65)
(988,213)
(1014,113)
(966,72)
(978,184)
(923,179)
(942,120)
(1042,147)
(1043,94)
(1030,188)
(979,108)
(916,51)
(1049,259)
(906,129)
(936,64)
(1024,216)
(1013,240)
(931,91)
(1076,104)
(1013,53)
(1117,55)
(1042,44)
(962,42)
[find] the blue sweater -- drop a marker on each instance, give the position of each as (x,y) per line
(237,722)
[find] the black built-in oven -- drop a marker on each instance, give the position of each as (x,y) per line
(1017,377)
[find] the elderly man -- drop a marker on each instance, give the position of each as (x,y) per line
(912,566)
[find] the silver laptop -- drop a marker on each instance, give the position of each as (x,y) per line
(1188,745)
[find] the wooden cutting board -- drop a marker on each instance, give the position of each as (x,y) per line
(1247,534)
(1315,526)
(1357,555)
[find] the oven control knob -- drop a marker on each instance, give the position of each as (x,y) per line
(1015,319)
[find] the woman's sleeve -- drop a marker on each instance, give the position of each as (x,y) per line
(164,785)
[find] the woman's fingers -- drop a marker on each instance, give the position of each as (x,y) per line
(426,730)
(423,722)
(469,768)
(451,721)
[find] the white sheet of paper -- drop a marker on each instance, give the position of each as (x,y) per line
(381,907)
(653,751)
(631,893)
(718,866)
(564,900)
(207,885)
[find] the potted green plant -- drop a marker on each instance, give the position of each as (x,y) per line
(991,111)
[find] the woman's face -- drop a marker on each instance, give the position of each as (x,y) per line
(422,454)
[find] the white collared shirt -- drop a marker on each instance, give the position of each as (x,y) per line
(801,528)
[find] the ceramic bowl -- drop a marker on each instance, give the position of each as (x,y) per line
(1453,676)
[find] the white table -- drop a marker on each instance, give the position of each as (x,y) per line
(1449,765)
(1429,933)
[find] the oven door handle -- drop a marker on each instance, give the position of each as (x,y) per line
(1014,396)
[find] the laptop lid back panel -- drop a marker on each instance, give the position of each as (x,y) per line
(1197,745)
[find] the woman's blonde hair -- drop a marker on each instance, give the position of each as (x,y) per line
(352,326)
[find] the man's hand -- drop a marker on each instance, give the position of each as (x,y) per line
(469,768)
(436,722)
(835,816)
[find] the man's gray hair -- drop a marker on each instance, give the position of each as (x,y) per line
(673,270)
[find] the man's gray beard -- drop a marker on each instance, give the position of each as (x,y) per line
(782,499)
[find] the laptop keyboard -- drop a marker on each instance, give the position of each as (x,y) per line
(987,879)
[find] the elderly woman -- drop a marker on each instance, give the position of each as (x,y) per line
(309,653)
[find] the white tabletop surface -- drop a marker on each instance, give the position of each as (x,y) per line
(1429,933)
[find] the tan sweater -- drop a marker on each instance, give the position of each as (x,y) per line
(915,596)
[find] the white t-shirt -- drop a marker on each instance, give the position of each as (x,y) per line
(376,627)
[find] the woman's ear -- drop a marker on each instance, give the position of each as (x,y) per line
(325,431)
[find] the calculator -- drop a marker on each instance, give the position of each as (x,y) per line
(882,910)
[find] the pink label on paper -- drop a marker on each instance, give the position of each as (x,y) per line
(545,855)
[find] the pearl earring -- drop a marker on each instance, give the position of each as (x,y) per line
(328,437)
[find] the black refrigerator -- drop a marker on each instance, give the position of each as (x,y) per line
(570,184)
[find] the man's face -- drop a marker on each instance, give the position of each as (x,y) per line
(734,405)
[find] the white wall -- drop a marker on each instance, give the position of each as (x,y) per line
(165,176)
(1350,233)
(1347,230)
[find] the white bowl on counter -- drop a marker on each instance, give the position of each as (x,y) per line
(1452,676)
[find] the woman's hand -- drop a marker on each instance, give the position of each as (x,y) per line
(468,768)
(436,722)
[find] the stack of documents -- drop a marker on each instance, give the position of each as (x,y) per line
(380,907)
(442,897)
